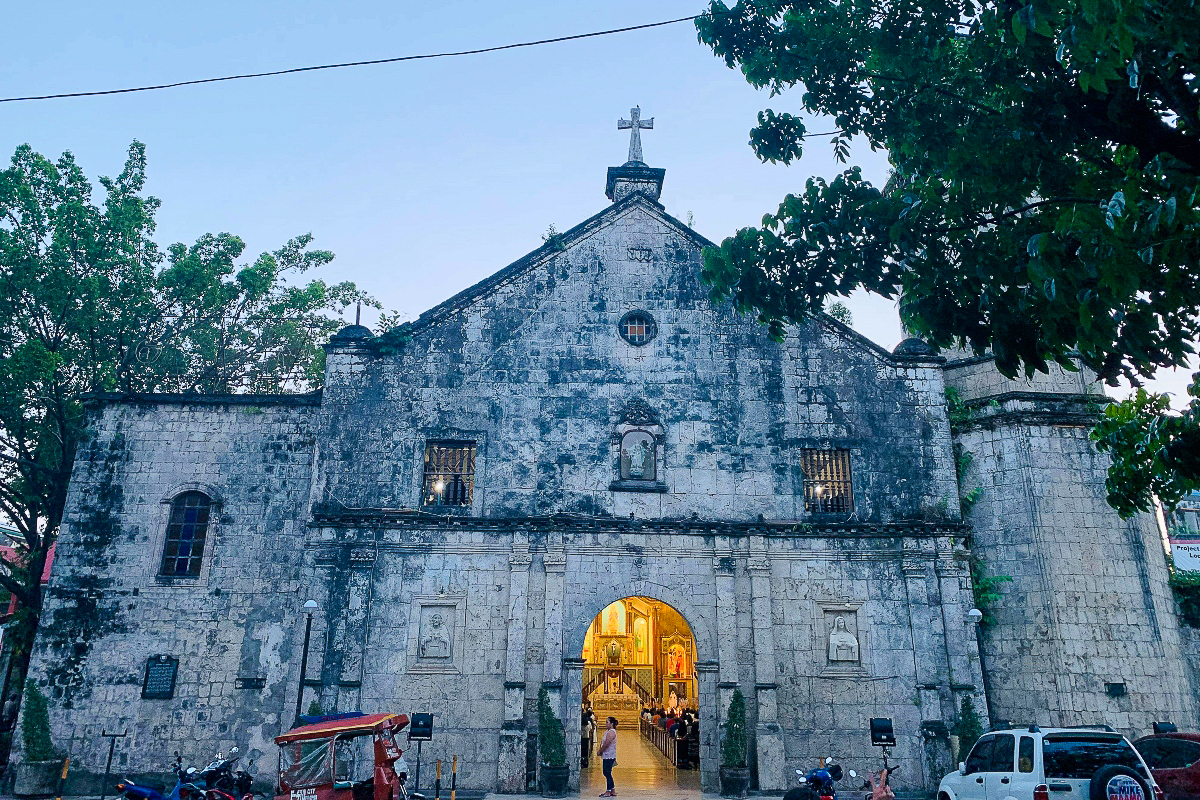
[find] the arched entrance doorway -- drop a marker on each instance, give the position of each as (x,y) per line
(639,666)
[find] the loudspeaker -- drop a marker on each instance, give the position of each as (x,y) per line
(420,727)
(881,732)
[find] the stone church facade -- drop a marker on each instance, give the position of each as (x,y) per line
(581,427)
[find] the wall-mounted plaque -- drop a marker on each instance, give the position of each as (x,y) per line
(159,680)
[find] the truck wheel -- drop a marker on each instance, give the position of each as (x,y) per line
(1116,782)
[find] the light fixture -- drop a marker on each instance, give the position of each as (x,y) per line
(310,606)
(974,616)
(439,486)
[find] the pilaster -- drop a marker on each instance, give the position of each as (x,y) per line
(767,735)
(571,715)
(513,737)
(930,654)
(707,673)
(555,562)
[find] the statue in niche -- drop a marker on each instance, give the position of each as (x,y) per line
(637,457)
(435,643)
(843,645)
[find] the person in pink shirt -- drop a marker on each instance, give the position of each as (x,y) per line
(608,755)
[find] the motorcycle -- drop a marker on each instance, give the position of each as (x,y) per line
(221,782)
(819,782)
(186,786)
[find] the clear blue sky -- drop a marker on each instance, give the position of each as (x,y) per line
(422,177)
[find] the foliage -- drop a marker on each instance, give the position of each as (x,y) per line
(968,728)
(1157,453)
(314,709)
(1044,197)
(35,727)
(551,739)
(91,303)
(392,339)
(986,589)
(553,238)
(1186,587)
(840,311)
(733,746)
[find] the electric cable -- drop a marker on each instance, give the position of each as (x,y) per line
(342,65)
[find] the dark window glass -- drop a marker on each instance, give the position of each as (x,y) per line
(186,532)
(449,474)
(637,327)
(1002,753)
(981,755)
(1079,756)
(1025,754)
(1169,753)
(827,484)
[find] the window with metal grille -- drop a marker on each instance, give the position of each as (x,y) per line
(637,328)
(827,484)
(186,531)
(449,474)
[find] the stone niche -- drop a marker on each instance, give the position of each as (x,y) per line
(841,641)
(435,640)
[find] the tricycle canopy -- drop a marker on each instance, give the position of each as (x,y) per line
(346,726)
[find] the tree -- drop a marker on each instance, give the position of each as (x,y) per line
(1046,169)
(733,746)
(88,302)
(551,740)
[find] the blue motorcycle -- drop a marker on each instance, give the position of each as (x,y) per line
(186,787)
(818,784)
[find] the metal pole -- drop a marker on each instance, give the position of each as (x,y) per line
(437,783)
(417,777)
(303,667)
(454,779)
(112,745)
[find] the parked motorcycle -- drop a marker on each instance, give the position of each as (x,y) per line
(186,786)
(818,784)
(221,782)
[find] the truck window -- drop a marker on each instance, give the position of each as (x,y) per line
(981,755)
(1025,754)
(1080,755)
(1002,753)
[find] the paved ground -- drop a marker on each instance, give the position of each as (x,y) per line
(641,771)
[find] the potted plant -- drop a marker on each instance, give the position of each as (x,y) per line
(39,774)
(553,746)
(735,775)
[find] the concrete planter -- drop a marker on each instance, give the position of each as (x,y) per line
(555,780)
(735,781)
(37,778)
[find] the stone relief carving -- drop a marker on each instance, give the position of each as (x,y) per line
(843,645)
(434,642)
(639,412)
(436,633)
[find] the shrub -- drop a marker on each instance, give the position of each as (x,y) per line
(733,746)
(551,740)
(35,727)
(968,729)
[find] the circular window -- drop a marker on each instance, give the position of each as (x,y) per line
(637,328)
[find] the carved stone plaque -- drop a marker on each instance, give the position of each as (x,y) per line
(436,634)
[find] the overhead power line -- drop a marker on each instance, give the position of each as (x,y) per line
(370,62)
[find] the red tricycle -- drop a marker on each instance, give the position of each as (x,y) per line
(343,758)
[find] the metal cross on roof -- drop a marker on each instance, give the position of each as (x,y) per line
(636,124)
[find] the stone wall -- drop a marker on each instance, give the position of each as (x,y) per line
(1088,603)
(531,366)
(108,611)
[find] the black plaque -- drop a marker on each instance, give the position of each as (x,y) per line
(159,682)
(420,727)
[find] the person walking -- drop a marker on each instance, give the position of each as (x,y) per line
(608,755)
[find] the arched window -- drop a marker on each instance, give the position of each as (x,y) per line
(186,532)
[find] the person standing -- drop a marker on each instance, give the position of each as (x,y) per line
(608,755)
